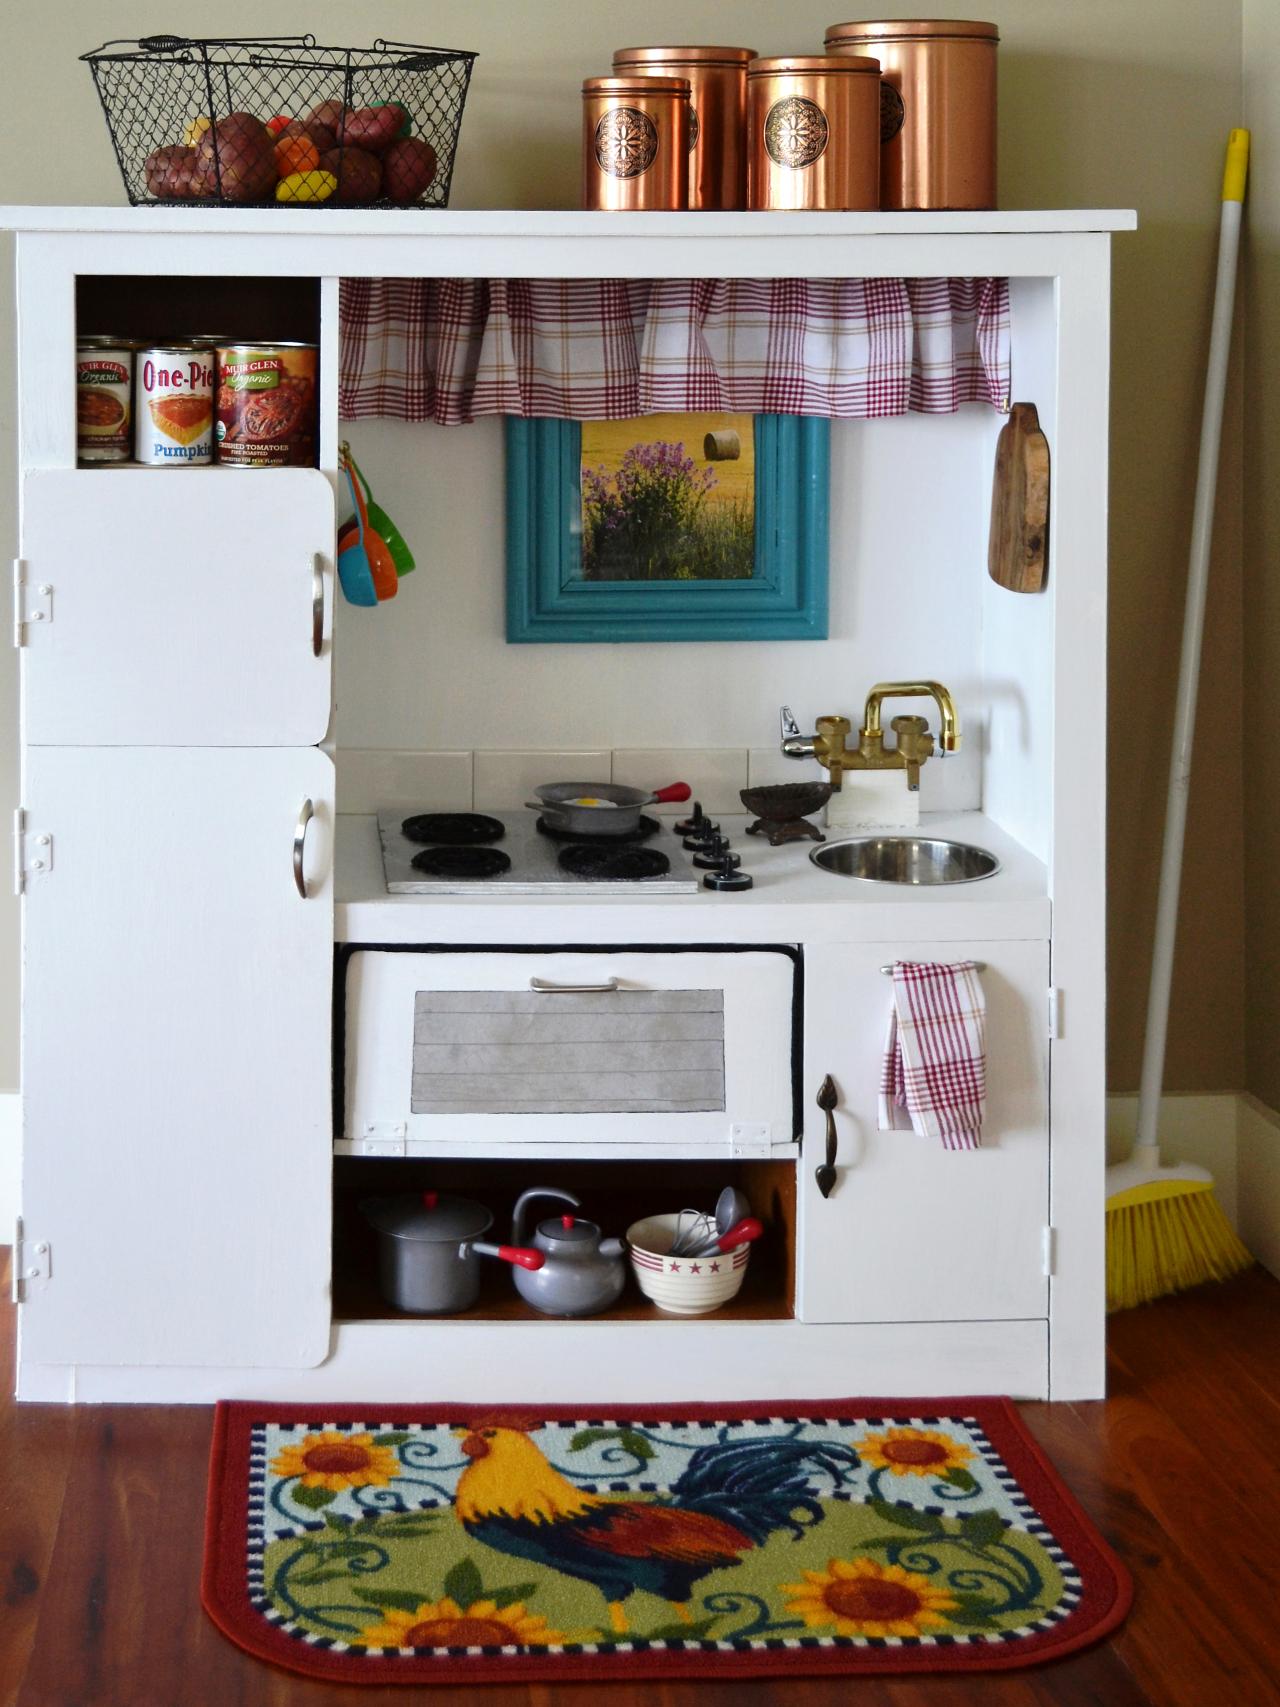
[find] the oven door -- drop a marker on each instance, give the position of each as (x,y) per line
(631,1051)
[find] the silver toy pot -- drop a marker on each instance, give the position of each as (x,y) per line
(581,1274)
(429,1251)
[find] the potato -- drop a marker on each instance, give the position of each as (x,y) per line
(358,172)
(324,136)
(160,168)
(331,114)
(245,155)
(374,128)
(408,169)
(203,180)
(241,129)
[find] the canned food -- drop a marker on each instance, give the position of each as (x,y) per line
(175,406)
(267,412)
(104,387)
(635,142)
(938,108)
(814,132)
(717,79)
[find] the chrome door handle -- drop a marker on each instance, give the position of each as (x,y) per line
(299,844)
(317,604)
(544,987)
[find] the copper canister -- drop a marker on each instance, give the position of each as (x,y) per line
(717,79)
(635,142)
(938,111)
(813,129)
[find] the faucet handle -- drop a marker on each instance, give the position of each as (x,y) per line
(787,719)
(793,743)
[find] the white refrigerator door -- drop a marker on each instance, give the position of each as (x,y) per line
(176,1056)
(185,608)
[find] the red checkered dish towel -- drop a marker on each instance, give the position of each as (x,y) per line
(935,1054)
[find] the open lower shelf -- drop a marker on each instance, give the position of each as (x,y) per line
(613,1194)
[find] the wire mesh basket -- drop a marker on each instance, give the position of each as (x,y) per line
(278,120)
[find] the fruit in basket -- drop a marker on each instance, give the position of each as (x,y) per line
(374,128)
(408,169)
(169,170)
(306,187)
(242,147)
(280,123)
(195,129)
(358,173)
(296,154)
(406,118)
(331,114)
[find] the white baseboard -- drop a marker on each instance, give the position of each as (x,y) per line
(10,1162)
(1258,1152)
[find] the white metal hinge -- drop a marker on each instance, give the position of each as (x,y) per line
(32,852)
(1049,1248)
(32,1264)
(382,1138)
(749,1139)
(1055,1014)
(30,603)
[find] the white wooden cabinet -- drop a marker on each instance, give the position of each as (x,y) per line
(178,1120)
(175,1055)
(189,610)
(914,1232)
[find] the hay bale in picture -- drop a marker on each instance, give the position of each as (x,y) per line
(722,447)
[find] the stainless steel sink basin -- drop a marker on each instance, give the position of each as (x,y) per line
(905,859)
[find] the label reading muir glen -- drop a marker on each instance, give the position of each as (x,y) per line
(795,132)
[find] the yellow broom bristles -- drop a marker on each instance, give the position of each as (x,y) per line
(1168,1245)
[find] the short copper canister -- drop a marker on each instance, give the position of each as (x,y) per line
(635,142)
(938,108)
(717,114)
(813,127)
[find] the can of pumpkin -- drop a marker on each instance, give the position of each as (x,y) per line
(267,408)
(175,406)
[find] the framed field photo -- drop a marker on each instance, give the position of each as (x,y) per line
(701,526)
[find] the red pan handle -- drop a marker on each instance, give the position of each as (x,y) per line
(673,791)
(522,1255)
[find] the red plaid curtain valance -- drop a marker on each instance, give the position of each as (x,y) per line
(449,350)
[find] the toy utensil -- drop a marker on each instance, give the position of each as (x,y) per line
(386,582)
(383,525)
(354,570)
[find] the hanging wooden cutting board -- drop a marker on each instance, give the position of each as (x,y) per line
(1018,551)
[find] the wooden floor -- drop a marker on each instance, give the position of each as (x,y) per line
(101,1514)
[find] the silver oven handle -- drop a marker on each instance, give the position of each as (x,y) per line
(299,844)
(544,987)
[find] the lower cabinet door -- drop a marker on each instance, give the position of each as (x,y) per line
(176,1055)
(911,1231)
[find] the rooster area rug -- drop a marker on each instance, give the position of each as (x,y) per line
(407,1544)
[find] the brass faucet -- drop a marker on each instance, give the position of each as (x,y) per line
(915,744)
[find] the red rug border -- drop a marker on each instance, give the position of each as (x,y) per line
(1106,1597)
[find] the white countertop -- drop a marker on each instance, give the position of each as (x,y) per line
(792,901)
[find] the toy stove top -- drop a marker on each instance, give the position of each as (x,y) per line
(460,853)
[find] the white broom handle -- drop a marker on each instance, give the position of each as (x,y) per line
(1184,722)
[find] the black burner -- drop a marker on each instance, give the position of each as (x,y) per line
(462,862)
(644,829)
(452,829)
(613,865)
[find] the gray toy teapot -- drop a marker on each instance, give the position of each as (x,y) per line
(581,1274)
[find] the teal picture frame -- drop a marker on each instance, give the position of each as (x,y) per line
(548,601)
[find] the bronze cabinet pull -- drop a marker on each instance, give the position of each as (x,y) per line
(827,1099)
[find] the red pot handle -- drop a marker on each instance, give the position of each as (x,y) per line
(673,791)
(522,1255)
(743,1234)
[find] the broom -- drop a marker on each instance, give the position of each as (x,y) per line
(1165,1228)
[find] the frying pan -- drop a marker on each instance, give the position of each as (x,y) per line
(613,809)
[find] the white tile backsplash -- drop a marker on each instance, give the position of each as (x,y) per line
(370,779)
(769,765)
(714,774)
(504,781)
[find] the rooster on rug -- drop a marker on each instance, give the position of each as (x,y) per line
(730,1497)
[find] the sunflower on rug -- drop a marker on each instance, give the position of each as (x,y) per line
(511,1544)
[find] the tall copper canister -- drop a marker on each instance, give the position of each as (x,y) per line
(938,115)
(813,129)
(717,114)
(635,142)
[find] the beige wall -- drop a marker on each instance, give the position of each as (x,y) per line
(1261,706)
(1101,105)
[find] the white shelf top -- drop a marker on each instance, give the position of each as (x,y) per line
(197,220)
